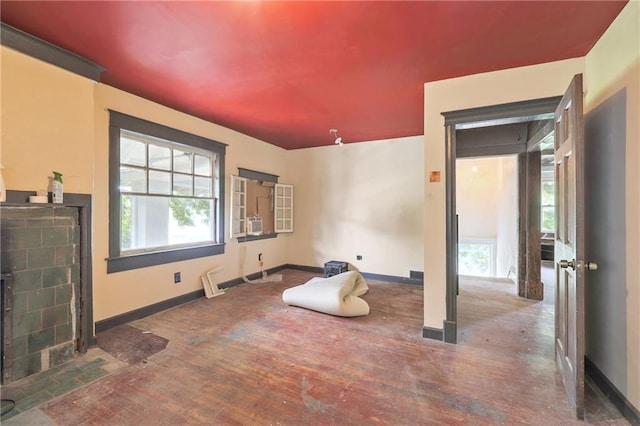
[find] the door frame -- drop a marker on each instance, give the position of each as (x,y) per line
(515,112)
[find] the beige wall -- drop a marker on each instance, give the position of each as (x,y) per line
(360,198)
(47,124)
(612,67)
(517,84)
(55,120)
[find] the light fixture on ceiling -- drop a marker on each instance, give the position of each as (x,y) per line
(338,140)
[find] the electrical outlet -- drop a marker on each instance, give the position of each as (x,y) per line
(359,257)
(176,277)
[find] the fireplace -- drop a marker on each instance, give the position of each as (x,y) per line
(41,265)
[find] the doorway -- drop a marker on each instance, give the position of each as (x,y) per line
(524,129)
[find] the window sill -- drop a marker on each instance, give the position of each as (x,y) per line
(127,263)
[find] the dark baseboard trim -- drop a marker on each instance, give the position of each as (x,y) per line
(432,333)
(137,314)
(316,269)
(49,53)
(450,331)
(611,392)
(416,275)
(377,277)
(392,279)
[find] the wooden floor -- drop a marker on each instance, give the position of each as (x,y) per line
(247,358)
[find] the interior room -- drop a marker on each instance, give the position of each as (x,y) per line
(170,170)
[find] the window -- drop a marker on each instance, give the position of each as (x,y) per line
(260,207)
(476,257)
(547,196)
(166,188)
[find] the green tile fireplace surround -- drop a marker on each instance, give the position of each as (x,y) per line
(40,251)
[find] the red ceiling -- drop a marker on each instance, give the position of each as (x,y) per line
(287,72)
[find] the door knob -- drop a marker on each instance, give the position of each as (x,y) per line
(567,264)
(591,266)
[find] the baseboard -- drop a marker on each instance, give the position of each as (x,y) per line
(392,278)
(416,275)
(432,333)
(377,277)
(450,331)
(316,269)
(625,407)
(137,314)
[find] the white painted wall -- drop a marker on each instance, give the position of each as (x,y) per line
(507,228)
(359,199)
(512,85)
(612,138)
(487,205)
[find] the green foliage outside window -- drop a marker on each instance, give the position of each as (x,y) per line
(185,210)
(474,259)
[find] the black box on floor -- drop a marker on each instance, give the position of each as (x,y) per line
(335,267)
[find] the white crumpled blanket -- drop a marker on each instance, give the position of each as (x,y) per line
(337,295)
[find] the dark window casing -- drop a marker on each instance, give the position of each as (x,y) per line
(116,262)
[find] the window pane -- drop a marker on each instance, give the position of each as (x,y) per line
(132,180)
(159,157)
(182,184)
(548,196)
(159,182)
(202,186)
(182,161)
(474,259)
(151,222)
(132,152)
(548,221)
(202,165)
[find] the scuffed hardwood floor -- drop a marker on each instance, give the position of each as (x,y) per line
(247,358)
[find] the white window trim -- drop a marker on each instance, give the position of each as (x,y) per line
(238,208)
(238,211)
(280,209)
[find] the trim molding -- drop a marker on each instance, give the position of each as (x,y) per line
(255,175)
(611,392)
(377,277)
(316,269)
(147,310)
(50,53)
(432,333)
(392,279)
(450,331)
(508,113)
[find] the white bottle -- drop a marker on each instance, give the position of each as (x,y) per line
(56,188)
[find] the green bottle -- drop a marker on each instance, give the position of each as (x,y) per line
(56,188)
